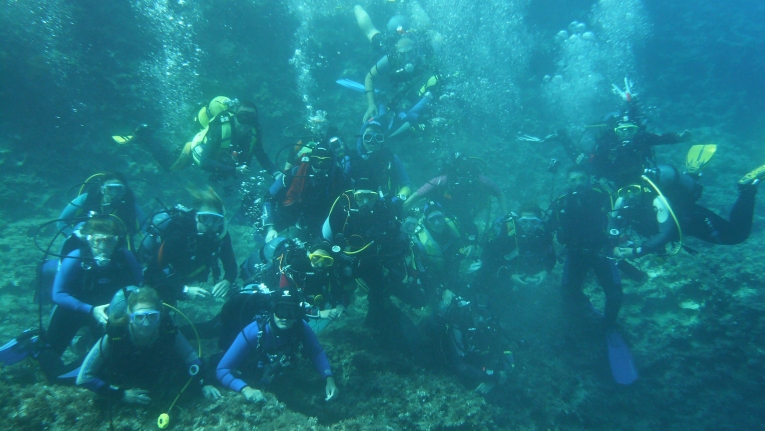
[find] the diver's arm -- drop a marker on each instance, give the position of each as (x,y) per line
(260,153)
(210,149)
(365,23)
(495,190)
(235,355)
(88,376)
(369,87)
(67,278)
(667,231)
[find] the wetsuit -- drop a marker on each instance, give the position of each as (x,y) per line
(79,286)
(303,199)
(514,251)
(222,158)
(115,363)
(695,220)
(180,256)
(582,222)
(272,349)
(382,167)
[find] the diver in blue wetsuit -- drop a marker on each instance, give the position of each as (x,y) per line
(302,198)
(274,344)
(84,285)
(376,162)
(581,217)
(103,194)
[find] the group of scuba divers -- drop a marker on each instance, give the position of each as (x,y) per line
(339,221)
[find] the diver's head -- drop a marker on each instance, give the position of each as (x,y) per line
(373,137)
(398,24)
(529,217)
(114,189)
(320,256)
(216,106)
(365,194)
(288,308)
(210,214)
(246,114)
(145,313)
(577,178)
(321,160)
(434,218)
(103,235)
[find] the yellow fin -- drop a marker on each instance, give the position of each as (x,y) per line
(698,157)
(122,139)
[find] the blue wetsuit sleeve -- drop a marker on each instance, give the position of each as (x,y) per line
(235,355)
(402,178)
(68,277)
(88,376)
(69,213)
(315,351)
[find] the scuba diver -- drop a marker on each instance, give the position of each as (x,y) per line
(667,211)
(184,246)
(376,162)
(625,147)
(322,276)
(302,198)
(264,348)
(441,248)
(463,191)
(83,286)
(142,358)
(472,345)
(522,247)
(365,227)
(581,217)
(409,63)
(231,136)
(103,194)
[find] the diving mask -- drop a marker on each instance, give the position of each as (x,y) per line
(529,223)
(373,138)
(210,220)
(145,317)
(114,190)
(321,260)
(626,130)
(365,198)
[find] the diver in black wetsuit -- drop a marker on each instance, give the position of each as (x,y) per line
(581,217)
(665,218)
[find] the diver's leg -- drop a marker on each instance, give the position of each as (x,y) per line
(365,22)
(710,227)
(575,269)
(610,280)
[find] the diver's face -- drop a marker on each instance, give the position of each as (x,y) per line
(112,191)
(246,117)
(144,319)
(365,199)
(283,323)
(578,181)
(529,222)
(436,221)
(102,246)
(373,139)
(209,221)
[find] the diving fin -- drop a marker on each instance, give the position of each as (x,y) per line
(19,348)
(620,358)
(120,139)
(698,157)
(755,175)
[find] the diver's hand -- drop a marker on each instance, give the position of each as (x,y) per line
(136,396)
(623,252)
(99,313)
(484,388)
(475,266)
(271,234)
(221,289)
(253,395)
(194,292)
(330,389)
(333,313)
(211,392)
(241,171)
(371,112)
(518,279)
(541,276)
(685,136)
